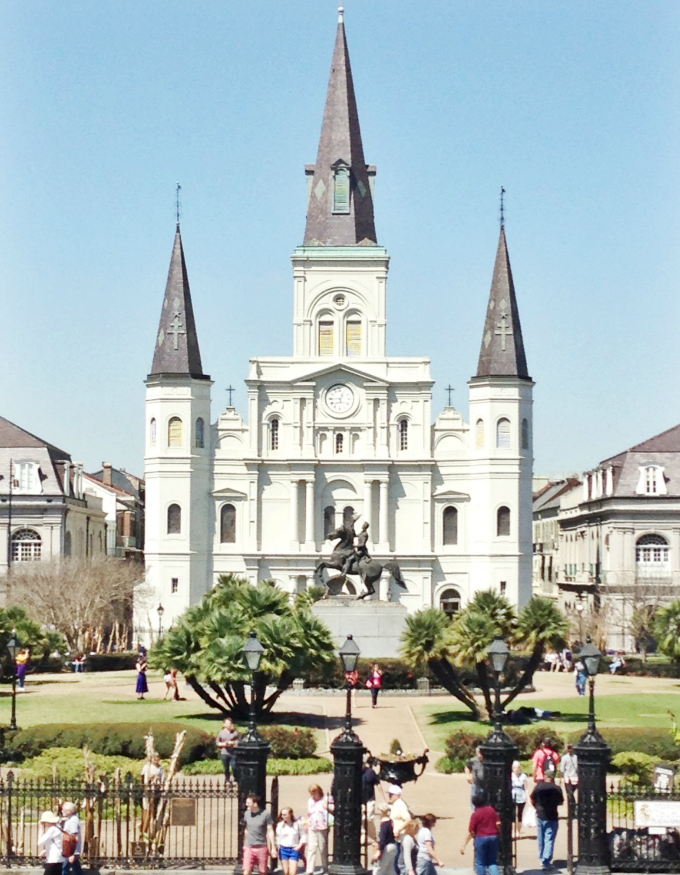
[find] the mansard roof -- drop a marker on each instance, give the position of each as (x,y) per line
(13,436)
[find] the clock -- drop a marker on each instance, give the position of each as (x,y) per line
(339,398)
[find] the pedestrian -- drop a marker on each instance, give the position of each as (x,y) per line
(289,841)
(22,660)
(50,839)
(569,769)
(167,679)
(226,741)
(580,677)
(71,839)
(369,781)
(175,685)
(258,842)
(400,817)
(546,798)
(374,682)
(317,829)
(385,847)
(483,828)
(426,859)
(474,772)
(142,686)
(153,776)
(409,847)
(545,760)
(519,794)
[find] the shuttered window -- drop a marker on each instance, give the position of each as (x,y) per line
(479,432)
(353,338)
(325,338)
(341,190)
(175,432)
(503,434)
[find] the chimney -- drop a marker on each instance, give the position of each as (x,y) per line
(107,477)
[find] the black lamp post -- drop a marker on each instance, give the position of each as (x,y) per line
(499,752)
(160,610)
(13,647)
(593,755)
(348,754)
(252,750)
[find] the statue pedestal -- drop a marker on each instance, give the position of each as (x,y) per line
(376,626)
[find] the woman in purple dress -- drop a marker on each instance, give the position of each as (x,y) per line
(142,686)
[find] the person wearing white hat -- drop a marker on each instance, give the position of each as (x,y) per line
(50,841)
(400,817)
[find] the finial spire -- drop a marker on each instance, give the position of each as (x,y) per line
(502,207)
(177,191)
(341,14)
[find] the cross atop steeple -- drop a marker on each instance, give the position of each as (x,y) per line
(340,204)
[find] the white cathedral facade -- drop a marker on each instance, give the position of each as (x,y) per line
(339,427)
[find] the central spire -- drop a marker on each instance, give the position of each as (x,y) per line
(340,205)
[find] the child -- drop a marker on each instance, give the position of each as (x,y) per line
(519,794)
(386,847)
(289,841)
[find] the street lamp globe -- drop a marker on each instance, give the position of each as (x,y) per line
(349,654)
(13,645)
(160,610)
(253,651)
(499,654)
(590,656)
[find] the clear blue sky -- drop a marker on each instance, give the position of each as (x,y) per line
(573,107)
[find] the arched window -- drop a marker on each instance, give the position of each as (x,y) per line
(274,434)
(339,443)
(503,434)
(152,432)
(174,519)
(347,514)
(652,551)
(328,521)
(326,337)
(200,433)
(525,434)
(228,524)
(341,189)
(450,526)
(503,521)
(403,434)
(67,544)
(175,432)
(353,338)
(479,433)
(449,602)
(26,546)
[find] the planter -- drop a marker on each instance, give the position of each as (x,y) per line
(401,770)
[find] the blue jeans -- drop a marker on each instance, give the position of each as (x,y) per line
(75,866)
(547,830)
(486,854)
(424,866)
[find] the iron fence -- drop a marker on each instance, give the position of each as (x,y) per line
(124,823)
(634,846)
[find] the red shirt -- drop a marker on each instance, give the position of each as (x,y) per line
(539,758)
(483,821)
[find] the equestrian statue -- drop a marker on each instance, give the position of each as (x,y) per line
(351,560)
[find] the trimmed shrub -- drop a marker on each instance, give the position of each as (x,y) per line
(398,675)
(658,742)
(527,740)
(652,669)
(637,768)
(69,763)
(461,744)
(118,739)
(450,765)
(302,766)
(291,744)
(110,661)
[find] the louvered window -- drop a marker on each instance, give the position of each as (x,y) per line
(152,433)
(525,434)
(341,190)
(503,434)
(325,338)
(353,338)
(479,433)
(175,432)
(200,433)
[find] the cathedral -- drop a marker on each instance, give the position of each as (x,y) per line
(339,428)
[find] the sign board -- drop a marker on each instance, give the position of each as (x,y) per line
(183,812)
(664,776)
(649,812)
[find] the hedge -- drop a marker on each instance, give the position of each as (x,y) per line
(69,763)
(450,765)
(275,766)
(656,742)
(290,743)
(111,661)
(119,739)
(461,744)
(397,675)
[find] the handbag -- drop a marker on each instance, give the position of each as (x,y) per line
(529,816)
(369,684)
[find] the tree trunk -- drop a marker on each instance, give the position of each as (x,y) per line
(534,661)
(448,678)
(483,680)
(207,698)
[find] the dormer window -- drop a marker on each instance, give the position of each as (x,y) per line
(341,182)
(651,480)
(27,477)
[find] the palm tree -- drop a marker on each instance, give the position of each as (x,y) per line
(206,644)
(425,642)
(667,630)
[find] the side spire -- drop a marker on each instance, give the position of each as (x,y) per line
(502,353)
(340,205)
(177,349)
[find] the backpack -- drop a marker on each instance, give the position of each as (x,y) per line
(69,843)
(549,765)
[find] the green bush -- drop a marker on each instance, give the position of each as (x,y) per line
(527,740)
(398,675)
(450,765)
(290,743)
(637,768)
(110,661)
(652,669)
(461,744)
(657,742)
(118,739)
(69,763)
(275,766)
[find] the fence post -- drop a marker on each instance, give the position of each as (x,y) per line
(10,785)
(348,753)
(499,753)
(593,754)
(251,754)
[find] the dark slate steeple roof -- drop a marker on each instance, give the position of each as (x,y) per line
(502,353)
(340,142)
(177,349)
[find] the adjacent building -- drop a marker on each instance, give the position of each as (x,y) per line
(122,497)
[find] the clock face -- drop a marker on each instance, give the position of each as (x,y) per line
(339,398)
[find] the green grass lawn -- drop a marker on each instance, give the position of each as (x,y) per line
(637,710)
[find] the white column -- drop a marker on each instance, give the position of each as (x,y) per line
(384,499)
(368,501)
(294,535)
(309,513)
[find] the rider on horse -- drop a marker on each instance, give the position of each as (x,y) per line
(359,553)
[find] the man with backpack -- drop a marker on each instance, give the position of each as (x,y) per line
(545,761)
(72,840)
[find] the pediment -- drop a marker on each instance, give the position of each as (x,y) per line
(336,368)
(229,493)
(450,494)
